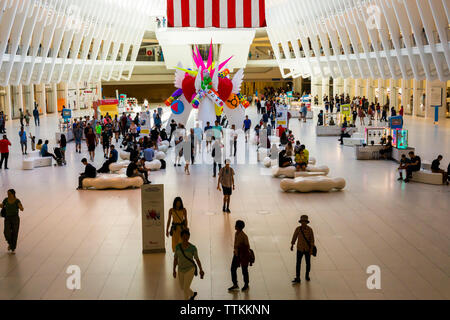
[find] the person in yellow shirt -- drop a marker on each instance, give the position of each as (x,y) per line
(304,154)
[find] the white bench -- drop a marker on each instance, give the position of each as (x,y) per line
(310,184)
(368,152)
(427,177)
(322,131)
(124,155)
(112,181)
(36,162)
(350,142)
(117,166)
(289,172)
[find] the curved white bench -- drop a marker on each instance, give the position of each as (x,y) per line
(154,165)
(299,174)
(427,177)
(112,181)
(160,155)
(289,172)
(124,155)
(36,162)
(309,184)
(163,148)
(117,166)
(165,143)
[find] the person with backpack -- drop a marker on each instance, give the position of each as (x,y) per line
(10,211)
(242,256)
(185,254)
(304,236)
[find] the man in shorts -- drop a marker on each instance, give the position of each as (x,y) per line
(247,125)
(226,179)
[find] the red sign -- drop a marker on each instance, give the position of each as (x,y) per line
(109,102)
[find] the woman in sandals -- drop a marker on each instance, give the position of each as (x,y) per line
(10,211)
(178,218)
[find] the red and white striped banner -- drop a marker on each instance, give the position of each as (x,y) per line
(216,13)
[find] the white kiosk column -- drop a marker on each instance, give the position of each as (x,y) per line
(436,86)
(370,88)
(326,87)
(418,97)
(316,89)
(382,98)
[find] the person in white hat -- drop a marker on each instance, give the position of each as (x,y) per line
(304,236)
(226,179)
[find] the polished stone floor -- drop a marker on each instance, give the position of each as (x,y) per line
(402,228)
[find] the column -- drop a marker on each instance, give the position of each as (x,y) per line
(370,89)
(316,89)
(338,86)
(63,92)
(382,99)
(40,98)
(19,100)
(357,86)
(349,87)
(418,97)
(8,104)
(326,87)
(429,108)
(298,85)
(31,100)
(394,93)
(406,96)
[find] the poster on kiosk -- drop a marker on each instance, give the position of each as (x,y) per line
(152,199)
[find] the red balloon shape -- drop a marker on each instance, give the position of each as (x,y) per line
(225,88)
(188,86)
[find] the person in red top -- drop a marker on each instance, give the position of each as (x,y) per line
(401,111)
(4,151)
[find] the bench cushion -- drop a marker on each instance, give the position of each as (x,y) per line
(309,184)
(116,166)
(36,162)
(112,181)
(428,177)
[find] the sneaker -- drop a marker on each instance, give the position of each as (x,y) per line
(193,297)
(296,280)
(400,179)
(234,287)
(223,209)
(245,288)
(406,180)
(308,278)
(228,211)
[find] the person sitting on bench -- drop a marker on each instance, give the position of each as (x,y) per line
(44,151)
(283,160)
(403,164)
(435,168)
(113,157)
(387,149)
(413,165)
(89,172)
(320,118)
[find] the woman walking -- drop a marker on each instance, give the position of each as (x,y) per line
(62,146)
(178,217)
(185,254)
(10,211)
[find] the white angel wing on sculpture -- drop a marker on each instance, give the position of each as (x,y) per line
(179,76)
(198,80)
(237,81)
(215,80)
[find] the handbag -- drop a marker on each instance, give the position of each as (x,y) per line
(314,250)
(3,211)
(190,260)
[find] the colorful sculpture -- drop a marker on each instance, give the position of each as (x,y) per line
(208,89)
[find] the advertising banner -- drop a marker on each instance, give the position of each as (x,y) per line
(146,125)
(152,199)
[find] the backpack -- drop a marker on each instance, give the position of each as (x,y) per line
(163,164)
(251,258)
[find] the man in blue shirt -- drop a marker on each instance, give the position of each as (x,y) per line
(247,125)
(149,153)
(23,140)
(217,131)
(36,115)
(113,157)
(44,151)
(265,117)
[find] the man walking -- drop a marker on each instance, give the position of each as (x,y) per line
(226,179)
(36,115)
(304,236)
(246,126)
(4,151)
(241,256)
(23,140)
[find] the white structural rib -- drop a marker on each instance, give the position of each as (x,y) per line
(387,39)
(52,41)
